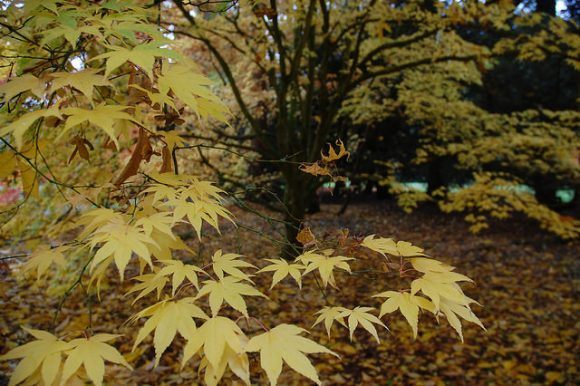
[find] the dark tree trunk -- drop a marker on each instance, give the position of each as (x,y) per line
(434,176)
(298,192)
(546,194)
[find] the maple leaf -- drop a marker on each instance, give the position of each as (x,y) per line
(198,211)
(388,246)
(380,244)
(165,244)
(44,353)
(306,237)
(149,283)
(102,116)
(405,248)
(192,89)
(19,84)
(325,264)
(216,335)
(408,305)
(281,344)
(315,169)
(142,55)
(333,155)
(161,221)
(451,310)
(283,268)
(96,218)
(92,353)
(19,127)
(329,315)
(230,290)
(361,315)
(229,263)
(237,362)
(168,318)
(84,81)
(120,241)
(179,273)
(425,265)
(201,190)
(432,286)
(161,192)
(42,258)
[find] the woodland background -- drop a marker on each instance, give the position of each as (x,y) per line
(461,123)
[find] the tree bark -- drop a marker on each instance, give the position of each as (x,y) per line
(434,176)
(298,191)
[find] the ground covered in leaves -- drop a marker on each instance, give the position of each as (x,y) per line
(525,281)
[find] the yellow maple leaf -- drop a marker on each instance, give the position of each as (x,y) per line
(451,310)
(120,241)
(425,265)
(160,221)
(215,336)
(405,248)
(102,116)
(389,246)
(165,244)
(237,362)
(84,81)
(325,264)
(229,263)
(281,344)
(361,315)
(408,305)
(96,218)
(142,55)
(8,163)
(192,89)
(42,258)
(435,289)
(329,315)
(25,82)
(44,353)
(91,353)
(381,245)
(179,272)
(168,318)
(230,290)
(198,211)
(20,126)
(148,283)
(283,268)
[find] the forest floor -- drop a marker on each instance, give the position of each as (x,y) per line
(525,281)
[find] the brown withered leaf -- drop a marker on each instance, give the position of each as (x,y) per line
(142,151)
(333,155)
(306,237)
(315,169)
(343,237)
(109,144)
(82,147)
(167,165)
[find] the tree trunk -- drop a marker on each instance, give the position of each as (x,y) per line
(434,176)
(546,195)
(298,192)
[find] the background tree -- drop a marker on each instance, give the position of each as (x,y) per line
(310,56)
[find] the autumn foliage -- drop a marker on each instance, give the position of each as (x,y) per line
(95,143)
